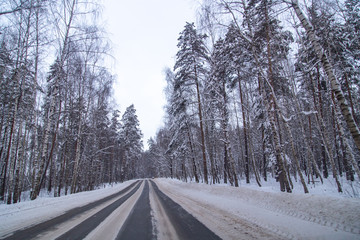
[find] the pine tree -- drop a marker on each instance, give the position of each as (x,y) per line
(115,146)
(131,143)
(190,71)
(218,90)
(181,123)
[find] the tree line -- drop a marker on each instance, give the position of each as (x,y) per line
(59,129)
(264,88)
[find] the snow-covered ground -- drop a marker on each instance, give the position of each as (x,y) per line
(17,216)
(247,212)
(254,213)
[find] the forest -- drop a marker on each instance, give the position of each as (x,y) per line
(59,128)
(260,89)
(264,89)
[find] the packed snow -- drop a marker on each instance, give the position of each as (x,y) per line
(17,216)
(245,212)
(322,214)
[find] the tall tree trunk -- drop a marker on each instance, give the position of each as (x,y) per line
(325,140)
(263,151)
(307,141)
(245,127)
(43,154)
(201,128)
(50,158)
(210,143)
(227,148)
(77,157)
(295,157)
(273,113)
(350,97)
(272,110)
(23,167)
(21,156)
(252,157)
(33,157)
(320,111)
(238,133)
(195,172)
(63,167)
(337,150)
(14,163)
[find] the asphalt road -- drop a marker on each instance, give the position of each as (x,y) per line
(128,214)
(33,231)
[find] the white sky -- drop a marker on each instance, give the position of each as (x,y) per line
(144,35)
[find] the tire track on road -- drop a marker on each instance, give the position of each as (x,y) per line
(110,227)
(138,225)
(84,228)
(185,225)
(33,231)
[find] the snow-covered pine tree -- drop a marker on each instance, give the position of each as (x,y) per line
(181,123)
(270,45)
(217,88)
(131,143)
(190,72)
(114,130)
(328,68)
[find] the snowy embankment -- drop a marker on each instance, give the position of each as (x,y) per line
(17,216)
(245,211)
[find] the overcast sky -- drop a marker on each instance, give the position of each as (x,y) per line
(144,35)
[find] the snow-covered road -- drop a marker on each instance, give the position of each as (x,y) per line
(171,209)
(243,213)
(125,214)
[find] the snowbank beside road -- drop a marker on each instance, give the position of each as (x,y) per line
(17,216)
(288,215)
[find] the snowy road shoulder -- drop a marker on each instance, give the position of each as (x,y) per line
(232,212)
(18,216)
